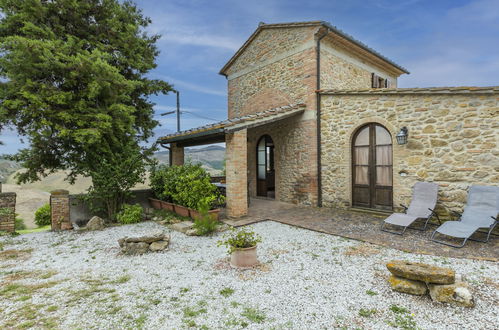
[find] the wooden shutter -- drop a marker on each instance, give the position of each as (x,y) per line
(388,83)
(375,81)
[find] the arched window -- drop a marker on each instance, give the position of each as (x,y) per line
(265,173)
(372,167)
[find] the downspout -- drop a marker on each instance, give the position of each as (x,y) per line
(318,113)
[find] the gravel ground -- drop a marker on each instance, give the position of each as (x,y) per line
(306,280)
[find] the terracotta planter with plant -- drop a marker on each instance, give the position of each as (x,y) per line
(155,203)
(197,215)
(181,210)
(167,206)
(241,245)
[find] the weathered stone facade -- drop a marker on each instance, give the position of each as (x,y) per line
(7,211)
(295,158)
(59,205)
(340,69)
(453,141)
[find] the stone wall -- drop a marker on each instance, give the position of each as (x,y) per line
(295,156)
(287,81)
(7,211)
(343,70)
(268,44)
(453,141)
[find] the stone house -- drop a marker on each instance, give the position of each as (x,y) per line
(314,118)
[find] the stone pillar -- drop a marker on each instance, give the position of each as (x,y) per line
(59,206)
(7,211)
(177,154)
(237,173)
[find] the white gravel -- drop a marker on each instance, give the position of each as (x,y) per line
(306,281)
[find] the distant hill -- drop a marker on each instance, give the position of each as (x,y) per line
(7,167)
(211,157)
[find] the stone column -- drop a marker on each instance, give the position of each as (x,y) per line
(177,154)
(7,211)
(237,173)
(59,206)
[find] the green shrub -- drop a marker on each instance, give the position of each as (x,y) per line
(43,216)
(19,224)
(240,239)
(130,214)
(187,185)
(206,224)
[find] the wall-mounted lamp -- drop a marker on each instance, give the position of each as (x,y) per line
(402,135)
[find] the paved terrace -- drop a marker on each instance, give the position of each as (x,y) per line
(364,227)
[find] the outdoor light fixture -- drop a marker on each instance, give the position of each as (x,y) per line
(402,136)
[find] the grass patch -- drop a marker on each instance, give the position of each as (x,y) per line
(226,292)
(34,230)
(367,312)
(16,254)
(254,315)
(398,309)
(371,293)
(123,279)
(193,312)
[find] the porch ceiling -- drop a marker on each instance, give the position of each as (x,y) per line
(215,133)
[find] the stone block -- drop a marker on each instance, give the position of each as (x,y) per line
(456,294)
(183,226)
(405,285)
(421,272)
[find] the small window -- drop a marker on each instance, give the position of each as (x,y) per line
(379,82)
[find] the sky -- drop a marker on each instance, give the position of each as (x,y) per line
(441,42)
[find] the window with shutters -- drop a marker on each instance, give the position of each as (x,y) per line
(379,82)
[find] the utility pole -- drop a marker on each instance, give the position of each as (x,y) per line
(176,111)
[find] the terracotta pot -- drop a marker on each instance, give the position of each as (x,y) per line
(214,214)
(155,203)
(181,210)
(244,258)
(167,206)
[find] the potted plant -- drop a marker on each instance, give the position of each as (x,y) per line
(241,245)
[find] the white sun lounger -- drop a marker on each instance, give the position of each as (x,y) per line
(424,199)
(481,211)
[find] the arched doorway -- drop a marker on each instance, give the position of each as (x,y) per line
(265,172)
(372,167)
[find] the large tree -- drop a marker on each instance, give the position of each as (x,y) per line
(73,78)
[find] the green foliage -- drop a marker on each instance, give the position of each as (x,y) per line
(74,81)
(43,216)
(206,224)
(226,292)
(367,312)
(398,309)
(371,292)
(19,224)
(239,239)
(187,185)
(254,315)
(115,177)
(130,214)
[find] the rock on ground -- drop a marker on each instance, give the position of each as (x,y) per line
(421,272)
(405,285)
(456,294)
(95,223)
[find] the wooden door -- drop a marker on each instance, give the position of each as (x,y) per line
(265,173)
(372,168)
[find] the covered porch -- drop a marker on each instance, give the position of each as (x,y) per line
(246,170)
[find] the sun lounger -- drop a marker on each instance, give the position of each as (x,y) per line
(481,211)
(424,199)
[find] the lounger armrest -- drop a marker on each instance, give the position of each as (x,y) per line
(435,214)
(457,214)
(405,207)
(495,218)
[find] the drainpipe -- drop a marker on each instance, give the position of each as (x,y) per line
(318,112)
